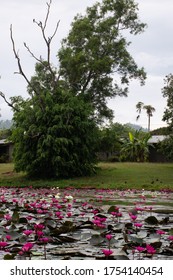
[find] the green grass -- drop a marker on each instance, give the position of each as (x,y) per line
(149,176)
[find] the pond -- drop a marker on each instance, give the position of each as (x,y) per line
(85,224)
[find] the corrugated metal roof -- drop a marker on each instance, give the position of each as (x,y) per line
(4,141)
(157,138)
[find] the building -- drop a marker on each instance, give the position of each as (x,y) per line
(154,154)
(6,150)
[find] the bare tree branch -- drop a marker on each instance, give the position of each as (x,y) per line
(32,54)
(48,41)
(48,12)
(21,72)
(17,57)
(7,102)
(43,26)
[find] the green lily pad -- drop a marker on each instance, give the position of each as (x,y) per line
(135,239)
(152,220)
(96,240)
(9,257)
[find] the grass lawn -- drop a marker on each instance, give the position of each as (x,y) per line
(149,176)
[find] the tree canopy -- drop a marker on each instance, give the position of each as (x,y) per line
(166,146)
(167,91)
(95,55)
(55,128)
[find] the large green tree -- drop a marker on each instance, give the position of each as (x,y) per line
(167,92)
(95,56)
(55,128)
(54,133)
(166,146)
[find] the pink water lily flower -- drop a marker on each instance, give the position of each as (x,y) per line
(113,213)
(69,214)
(108,236)
(8,237)
(107,252)
(170,237)
(39,226)
(27,247)
(159,231)
(44,239)
(39,233)
(140,249)
(133,217)
(7,217)
(150,249)
(137,224)
(3,244)
(28,232)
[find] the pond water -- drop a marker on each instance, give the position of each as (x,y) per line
(86,223)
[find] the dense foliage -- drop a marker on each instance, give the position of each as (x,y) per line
(110,137)
(166,146)
(168,94)
(54,134)
(136,147)
(94,57)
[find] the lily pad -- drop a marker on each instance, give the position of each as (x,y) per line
(152,220)
(96,240)
(135,239)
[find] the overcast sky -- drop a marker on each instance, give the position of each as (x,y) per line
(152,49)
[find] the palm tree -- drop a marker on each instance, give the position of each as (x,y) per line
(149,110)
(139,107)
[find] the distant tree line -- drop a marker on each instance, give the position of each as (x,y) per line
(6,124)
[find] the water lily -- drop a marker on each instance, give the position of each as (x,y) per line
(108,236)
(29,218)
(69,214)
(40,201)
(8,237)
(40,211)
(137,225)
(39,233)
(44,239)
(27,247)
(57,196)
(69,197)
(39,227)
(59,215)
(107,252)
(28,232)
(114,214)
(133,217)
(160,232)
(170,237)
(150,249)
(7,217)
(3,244)
(95,211)
(140,248)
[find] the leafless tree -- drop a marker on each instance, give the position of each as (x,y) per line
(48,41)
